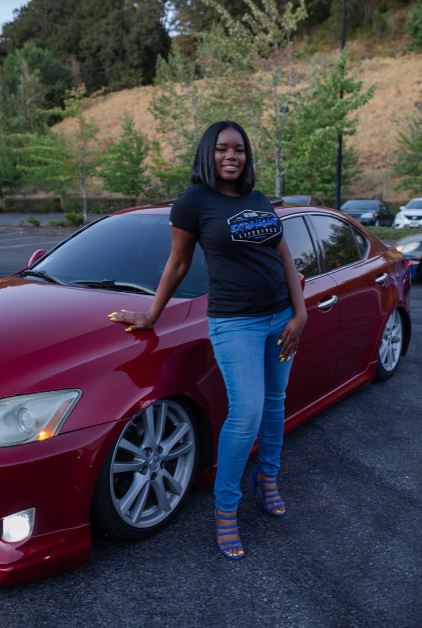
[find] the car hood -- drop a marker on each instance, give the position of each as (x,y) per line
(46,329)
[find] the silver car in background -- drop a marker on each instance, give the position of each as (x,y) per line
(410,215)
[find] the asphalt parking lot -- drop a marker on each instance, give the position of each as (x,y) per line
(348,554)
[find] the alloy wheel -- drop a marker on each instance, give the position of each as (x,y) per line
(391,343)
(152,464)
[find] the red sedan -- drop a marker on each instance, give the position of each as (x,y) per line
(107,429)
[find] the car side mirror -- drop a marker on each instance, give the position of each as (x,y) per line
(36,255)
(402,207)
(302,280)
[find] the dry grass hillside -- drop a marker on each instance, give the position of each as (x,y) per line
(398,83)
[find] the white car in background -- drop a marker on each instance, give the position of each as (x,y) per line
(410,215)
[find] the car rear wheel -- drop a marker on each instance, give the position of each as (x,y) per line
(391,347)
(147,474)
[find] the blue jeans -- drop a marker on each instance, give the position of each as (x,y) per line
(246,352)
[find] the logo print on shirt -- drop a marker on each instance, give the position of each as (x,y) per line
(254,226)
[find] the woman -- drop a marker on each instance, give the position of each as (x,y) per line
(255,307)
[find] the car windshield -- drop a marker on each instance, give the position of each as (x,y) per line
(295,199)
(130,249)
(415,203)
(369,204)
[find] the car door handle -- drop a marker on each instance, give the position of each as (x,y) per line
(326,304)
(382,279)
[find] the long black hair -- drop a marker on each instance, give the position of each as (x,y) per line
(203,170)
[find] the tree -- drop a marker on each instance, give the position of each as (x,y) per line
(49,161)
(318,117)
(414,26)
(267,33)
(409,159)
(60,162)
(122,164)
(22,98)
(115,42)
(10,175)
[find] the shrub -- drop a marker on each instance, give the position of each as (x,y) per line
(56,223)
(33,205)
(74,220)
(33,221)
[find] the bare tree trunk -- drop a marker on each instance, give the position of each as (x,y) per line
(368,11)
(276,129)
(83,177)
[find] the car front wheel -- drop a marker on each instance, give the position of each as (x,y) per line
(147,474)
(391,347)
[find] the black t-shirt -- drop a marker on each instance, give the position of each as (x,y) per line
(239,236)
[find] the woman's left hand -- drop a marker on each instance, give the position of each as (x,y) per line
(289,339)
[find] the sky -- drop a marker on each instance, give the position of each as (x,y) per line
(6,9)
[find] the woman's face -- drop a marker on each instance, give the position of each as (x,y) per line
(229,157)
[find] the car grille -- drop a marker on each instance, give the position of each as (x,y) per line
(414,218)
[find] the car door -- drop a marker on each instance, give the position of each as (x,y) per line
(363,291)
(387,214)
(313,373)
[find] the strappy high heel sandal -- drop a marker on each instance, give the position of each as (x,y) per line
(271,499)
(225,546)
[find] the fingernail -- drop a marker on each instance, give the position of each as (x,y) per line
(282,360)
(128,329)
(112,319)
(289,358)
(279,342)
(113,314)
(295,352)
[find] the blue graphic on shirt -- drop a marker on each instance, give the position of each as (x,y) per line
(254,226)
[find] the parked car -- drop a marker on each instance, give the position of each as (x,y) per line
(106,428)
(411,248)
(369,211)
(303,199)
(410,215)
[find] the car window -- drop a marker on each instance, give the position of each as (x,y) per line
(339,244)
(296,199)
(301,246)
(360,204)
(316,202)
(415,203)
(361,242)
(124,248)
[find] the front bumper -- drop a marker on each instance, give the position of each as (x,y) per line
(57,478)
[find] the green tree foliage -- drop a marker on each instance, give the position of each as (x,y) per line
(115,42)
(414,26)
(55,79)
(22,98)
(122,163)
(266,32)
(49,161)
(58,162)
(409,158)
(10,175)
(317,117)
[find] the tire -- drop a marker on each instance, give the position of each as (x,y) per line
(377,222)
(147,474)
(390,349)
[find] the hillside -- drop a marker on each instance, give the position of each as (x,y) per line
(398,83)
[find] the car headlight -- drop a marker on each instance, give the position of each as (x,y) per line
(409,247)
(27,418)
(399,217)
(367,215)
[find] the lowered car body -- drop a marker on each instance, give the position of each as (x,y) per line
(103,428)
